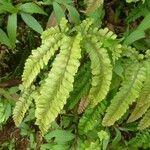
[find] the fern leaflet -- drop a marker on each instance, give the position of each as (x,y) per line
(143,102)
(131,86)
(40,58)
(22,106)
(91,117)
(101,71)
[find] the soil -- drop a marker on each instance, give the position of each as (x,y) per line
(10,132)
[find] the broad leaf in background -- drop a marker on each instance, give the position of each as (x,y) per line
(73,13)
(58,11)
(4,38)
(8,7)
(31,22)
(139,33)
(61,136)
(31,8)
(134,36)
(12,29)
(145,24)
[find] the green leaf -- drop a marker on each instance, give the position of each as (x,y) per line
(31,22)
(134,36)
(12,28)
(59,136)
(31,8)
(139,32)
(145,24)
(7,111)
(46,146)
(117,137)
(58,11)
(73,13)
(4,38)
(2,10)
(7,6)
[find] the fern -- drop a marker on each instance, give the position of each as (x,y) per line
(22,106)
(70,79)
(101,71)
(127,94)
(99,144)
(145,122)
(108,41)
(59,83)
(140,10)
(81,85)
(143,102)
(140,140)
(91,118)
(40,58)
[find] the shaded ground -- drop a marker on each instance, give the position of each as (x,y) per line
(10,132)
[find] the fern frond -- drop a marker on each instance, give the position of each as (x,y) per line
(64,25)
(85,26)
(145,121)
(131,86)
(59,84)
(141,139)
(101,71)
(40,57)
(48,33)
(22,106)
(81,85)
(147,54)
(143,102)
(109,41)
(92,117)
(135,13)
(131,53)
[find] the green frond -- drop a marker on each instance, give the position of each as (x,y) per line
(22,106)
(40,57)
(92,117)
(2,111)
(143,102)
(141,139)
(108,40)
(103,34)
(137,12)
(145,121)
(147,54)
(130,52)
(64,25)
(131,86)
(81,85)
(48,33)
(85,26)
(101,71)
(59,83)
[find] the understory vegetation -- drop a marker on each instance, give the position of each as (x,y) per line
(75,74)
